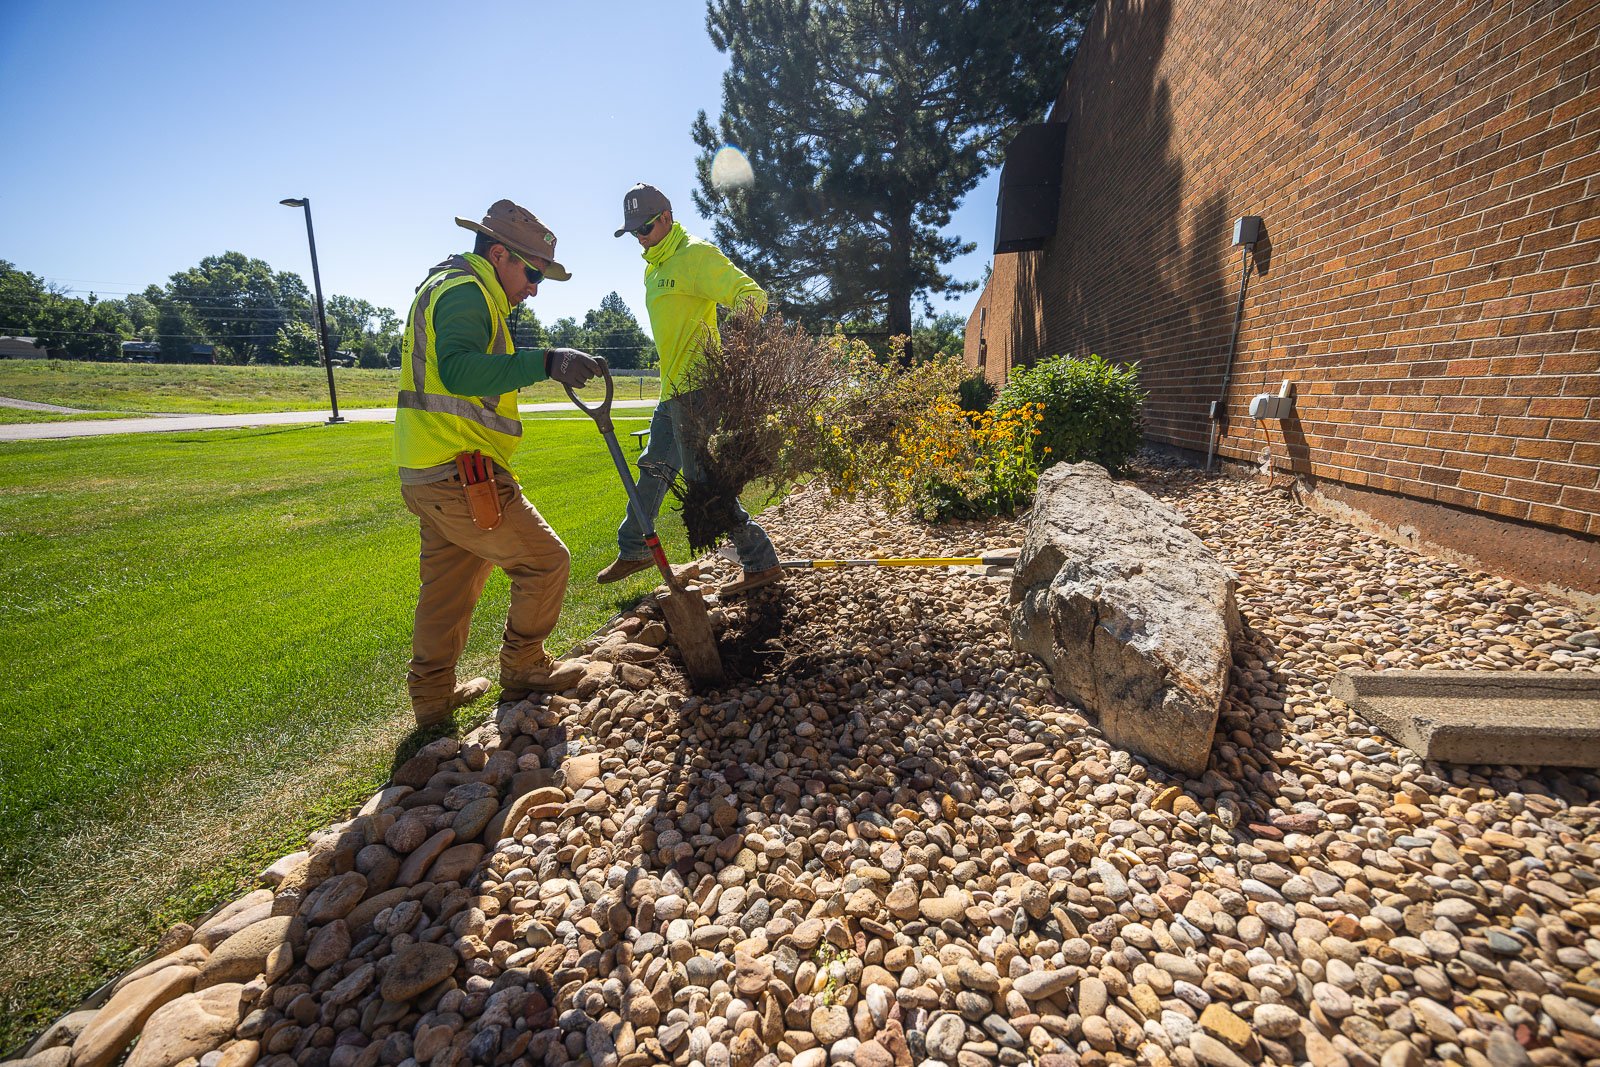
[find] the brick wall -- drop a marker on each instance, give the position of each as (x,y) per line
(1429,174)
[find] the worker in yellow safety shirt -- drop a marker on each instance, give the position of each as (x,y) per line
(685,280)
(456,429)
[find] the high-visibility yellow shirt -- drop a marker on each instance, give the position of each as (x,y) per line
(685,279)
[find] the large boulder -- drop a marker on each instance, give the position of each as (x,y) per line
(1133,614)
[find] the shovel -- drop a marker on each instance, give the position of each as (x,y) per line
(683,606)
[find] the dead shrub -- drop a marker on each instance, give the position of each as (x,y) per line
(741,410)
(769,403)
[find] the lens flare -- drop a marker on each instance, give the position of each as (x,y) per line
(730,171)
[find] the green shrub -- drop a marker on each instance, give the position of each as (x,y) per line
(975,393)
(1091,409)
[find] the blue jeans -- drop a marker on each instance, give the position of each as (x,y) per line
(663,458)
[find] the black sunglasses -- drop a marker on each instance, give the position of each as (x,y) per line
(647,227)
(535,275)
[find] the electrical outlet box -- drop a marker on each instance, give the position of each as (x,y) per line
(1247,230)
(1267,406)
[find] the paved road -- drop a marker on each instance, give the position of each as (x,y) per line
(37,431)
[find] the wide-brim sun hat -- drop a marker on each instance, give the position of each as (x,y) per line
(521,231)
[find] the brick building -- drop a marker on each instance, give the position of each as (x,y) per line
(1428,173)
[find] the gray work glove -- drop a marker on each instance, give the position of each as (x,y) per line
(572,367)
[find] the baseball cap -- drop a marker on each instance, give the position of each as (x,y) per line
(641,204)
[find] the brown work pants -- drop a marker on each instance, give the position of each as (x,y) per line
(456,559)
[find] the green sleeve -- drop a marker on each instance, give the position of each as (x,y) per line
(716,278)
(464,331)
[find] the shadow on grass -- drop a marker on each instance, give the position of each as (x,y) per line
(421,736)
(242,433)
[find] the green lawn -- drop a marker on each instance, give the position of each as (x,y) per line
(192,622)
(199,389)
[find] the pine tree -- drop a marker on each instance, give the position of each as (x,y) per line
(865,122)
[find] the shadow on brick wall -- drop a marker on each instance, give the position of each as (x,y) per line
(1297,454)
(1131,273)
(1025,340)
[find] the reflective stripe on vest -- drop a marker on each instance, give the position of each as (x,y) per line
(460,407)
(433,424)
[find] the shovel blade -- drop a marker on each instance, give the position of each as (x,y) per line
(691,629)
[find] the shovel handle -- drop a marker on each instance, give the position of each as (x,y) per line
(601,414)
(599,411)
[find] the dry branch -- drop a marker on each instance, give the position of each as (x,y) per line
(751,392)
(769,403)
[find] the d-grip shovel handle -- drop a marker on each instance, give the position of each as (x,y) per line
(601,410)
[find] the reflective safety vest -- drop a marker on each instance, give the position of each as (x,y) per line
(431,423)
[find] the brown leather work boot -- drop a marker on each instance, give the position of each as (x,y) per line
(620,568)
(436,710)
(545,675)
(752,580)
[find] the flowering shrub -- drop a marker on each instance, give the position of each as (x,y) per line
(963,465)
(899,435)
(856,443)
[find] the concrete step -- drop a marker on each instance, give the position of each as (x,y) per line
(1518,718)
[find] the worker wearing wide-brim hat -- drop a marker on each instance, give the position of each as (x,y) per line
(685,280)
(456,429)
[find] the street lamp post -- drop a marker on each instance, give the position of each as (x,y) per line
(322,321)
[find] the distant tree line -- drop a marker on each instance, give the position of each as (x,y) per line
(250,313)
(609,330)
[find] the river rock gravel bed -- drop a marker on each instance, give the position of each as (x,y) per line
(895,845)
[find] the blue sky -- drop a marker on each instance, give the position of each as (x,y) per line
(141,138)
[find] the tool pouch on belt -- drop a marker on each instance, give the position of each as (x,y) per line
(483,495)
